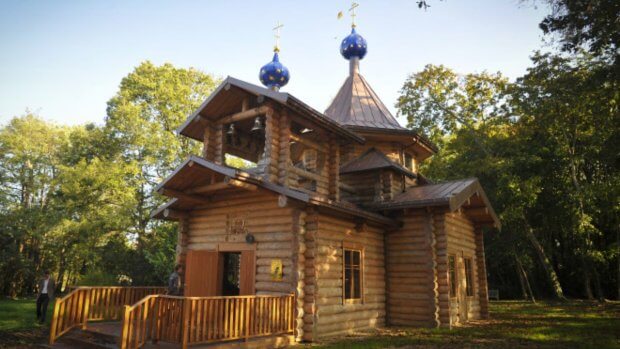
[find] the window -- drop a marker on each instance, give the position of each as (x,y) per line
(352,275)
(452,275)
(469,278)
(409,161)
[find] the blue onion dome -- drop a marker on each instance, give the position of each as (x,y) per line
(353,45)
(273,74)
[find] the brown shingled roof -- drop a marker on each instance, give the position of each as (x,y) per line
(454,194)
(356,104)
(373,159)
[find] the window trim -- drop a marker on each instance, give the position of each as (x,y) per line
(346,246)
(452,279)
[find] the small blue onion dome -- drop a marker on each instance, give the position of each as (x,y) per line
(274,74)
(353,45)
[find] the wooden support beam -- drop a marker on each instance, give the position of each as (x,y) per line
(208,188)
(170,213)
(306,174)
(181,195)
(225,184)
(309,143)
(250,113)
(239,184)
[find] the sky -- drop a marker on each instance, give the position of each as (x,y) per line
(65,59)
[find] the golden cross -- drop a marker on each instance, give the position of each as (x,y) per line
(354,5)
(276,30)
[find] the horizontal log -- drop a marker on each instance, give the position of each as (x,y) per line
(250,113)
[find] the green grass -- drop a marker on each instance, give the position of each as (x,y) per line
(572,324)
(18,325)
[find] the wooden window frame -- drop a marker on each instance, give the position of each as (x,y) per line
(356,248)
(452,277)
(410,165)
(470,290)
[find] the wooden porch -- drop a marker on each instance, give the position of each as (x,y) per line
(173,322)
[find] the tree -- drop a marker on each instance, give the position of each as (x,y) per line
(571,122)
(141,119)
(470,117)
(29,160)
(586,24)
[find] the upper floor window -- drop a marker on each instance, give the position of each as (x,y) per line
(352,275)
(409,162)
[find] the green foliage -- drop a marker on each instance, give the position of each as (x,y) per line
(76,200)
(543,148)
(580,24)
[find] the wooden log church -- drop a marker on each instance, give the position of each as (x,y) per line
(331,208)
(328,228)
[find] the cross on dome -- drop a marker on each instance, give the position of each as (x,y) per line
(274,74)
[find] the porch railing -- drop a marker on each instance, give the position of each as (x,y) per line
(85,304)
(194,320)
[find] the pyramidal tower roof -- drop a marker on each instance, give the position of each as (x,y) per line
(356,104)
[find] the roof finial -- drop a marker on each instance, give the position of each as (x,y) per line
(276,34)
(274,74)
(354,5)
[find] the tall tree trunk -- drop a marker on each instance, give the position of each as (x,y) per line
(521,281)
(525,280)
(587,280)
(549,271)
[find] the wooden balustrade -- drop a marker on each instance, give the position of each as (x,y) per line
(70,311)
(193,320)
(85,304)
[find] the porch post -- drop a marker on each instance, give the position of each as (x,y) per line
(182,241)
(483,292)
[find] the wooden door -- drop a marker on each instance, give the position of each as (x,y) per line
(248,270)
(202,273)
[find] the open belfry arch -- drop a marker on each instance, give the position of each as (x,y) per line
(331,207)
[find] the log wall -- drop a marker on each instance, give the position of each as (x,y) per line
(411,279)
(271,225)
(331,317)
(461,240)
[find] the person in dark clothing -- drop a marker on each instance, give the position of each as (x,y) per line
(45,290)
(174,281)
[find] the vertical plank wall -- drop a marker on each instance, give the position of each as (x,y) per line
(270,224)
(331,316)
(462,243)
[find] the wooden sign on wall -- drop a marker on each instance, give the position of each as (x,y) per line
(276,270)
(236,226)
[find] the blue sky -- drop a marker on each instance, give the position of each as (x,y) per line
(65,59)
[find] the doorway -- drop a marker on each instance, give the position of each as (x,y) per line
(231,273)
(228,271)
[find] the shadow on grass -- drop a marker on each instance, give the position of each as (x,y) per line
(512,325)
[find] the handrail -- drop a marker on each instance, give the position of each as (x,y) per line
(194,320)
(94,303)
(69,311)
